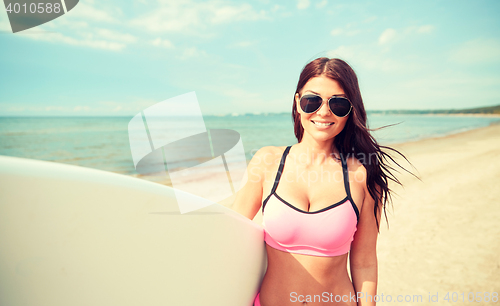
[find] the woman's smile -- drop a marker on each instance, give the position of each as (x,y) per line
(322,125)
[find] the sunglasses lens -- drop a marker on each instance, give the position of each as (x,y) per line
(340,106)
(310,103)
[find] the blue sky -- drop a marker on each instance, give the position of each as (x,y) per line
(117,58)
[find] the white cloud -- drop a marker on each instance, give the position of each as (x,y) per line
(88,12)
(195,17)
(226,14)
(391,35)
(192,52)
(57,108)
(165,43)
(238,93)
(371,58)
(303,4)
(336,32)
(16,108)
(387,36)
(370,19)
(347,31)
(104,39)
(117,36)
(87,41)
(345,52)
(95,26)
(352,32)
(234,97)
(425,29)
(168,20)
(276,7)
(243,44)
(86,26)
(477,51)
(132,106)
(321,4)
(281,11)
(31,108)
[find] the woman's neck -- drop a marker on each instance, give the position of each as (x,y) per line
(315,153)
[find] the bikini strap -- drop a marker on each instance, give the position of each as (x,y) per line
(346,175)
(280,169)
(346,184)
(278,176)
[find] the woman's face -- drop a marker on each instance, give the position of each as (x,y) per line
(313,124)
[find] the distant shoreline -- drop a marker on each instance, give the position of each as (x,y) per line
(489,111)
(437,114)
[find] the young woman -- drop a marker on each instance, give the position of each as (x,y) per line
(322,197)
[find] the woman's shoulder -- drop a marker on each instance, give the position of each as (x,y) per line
(268,156)
(356,168)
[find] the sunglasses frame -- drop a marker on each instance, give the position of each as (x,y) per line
(328,102)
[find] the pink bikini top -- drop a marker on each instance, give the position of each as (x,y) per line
(326,232)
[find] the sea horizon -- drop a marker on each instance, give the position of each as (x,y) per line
(102,142)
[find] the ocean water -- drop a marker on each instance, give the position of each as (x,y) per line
(103,143)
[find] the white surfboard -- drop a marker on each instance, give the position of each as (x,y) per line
(77,236)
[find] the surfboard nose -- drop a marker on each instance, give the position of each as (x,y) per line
(71,235)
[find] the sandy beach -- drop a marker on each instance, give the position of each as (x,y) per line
(443,234)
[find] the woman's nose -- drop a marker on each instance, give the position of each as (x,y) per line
(324,110)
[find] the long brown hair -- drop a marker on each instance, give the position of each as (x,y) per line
(355,139)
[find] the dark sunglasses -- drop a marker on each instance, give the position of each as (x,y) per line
(339,106)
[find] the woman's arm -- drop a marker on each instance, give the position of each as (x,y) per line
(363,256)
(249,197)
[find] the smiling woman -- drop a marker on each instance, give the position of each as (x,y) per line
(323,118)
(308,239)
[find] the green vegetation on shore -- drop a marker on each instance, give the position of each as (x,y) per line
(477,110)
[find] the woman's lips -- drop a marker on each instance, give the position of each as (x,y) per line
(324,124)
